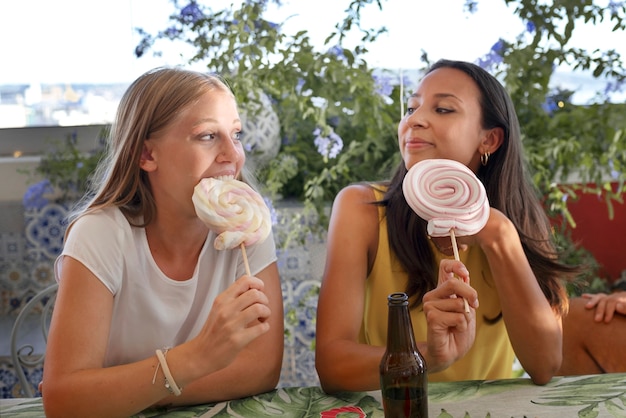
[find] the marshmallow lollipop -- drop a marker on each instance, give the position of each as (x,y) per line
(450,197)
(234,210)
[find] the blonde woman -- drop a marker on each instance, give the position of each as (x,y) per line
(148,312)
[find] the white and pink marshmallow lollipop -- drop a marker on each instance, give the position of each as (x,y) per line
(234,210)
(450,197)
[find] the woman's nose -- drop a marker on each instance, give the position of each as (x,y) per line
(417,118)
(229,150)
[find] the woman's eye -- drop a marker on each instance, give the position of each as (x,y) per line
(237,136)
(207,137)
(444,110)
(410,110)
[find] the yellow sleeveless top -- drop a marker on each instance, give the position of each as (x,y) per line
(491,356)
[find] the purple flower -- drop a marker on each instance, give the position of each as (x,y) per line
(191,13)
(530,27)
(328,146)
(337,145)
(34,196)
(337,51)
(494,56)
(383,85)
(498,47)
(259,24)
(614,6)
(614,173)
(172,32)
(614,87)
(299,85)
(144,44)
(471,6)
(549,106)
(273,214)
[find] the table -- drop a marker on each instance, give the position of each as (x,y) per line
(580,396)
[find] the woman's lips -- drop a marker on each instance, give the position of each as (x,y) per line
(417,144)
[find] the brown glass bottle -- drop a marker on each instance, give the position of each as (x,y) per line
(403,375)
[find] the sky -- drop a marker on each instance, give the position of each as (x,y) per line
(78,41)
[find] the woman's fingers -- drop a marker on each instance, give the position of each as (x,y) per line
(245,292)
(451,331)
(252,298)
(245,283)
(447,313)
(450,269)
(238,316)
(453,282)
(605,305)
(451,328)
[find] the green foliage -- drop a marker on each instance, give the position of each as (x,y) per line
(332,90)
(66,169)
(588,281)
(571,149)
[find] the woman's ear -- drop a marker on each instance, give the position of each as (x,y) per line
(492,141)
(147,161)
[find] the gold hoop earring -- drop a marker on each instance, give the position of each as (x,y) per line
(484,158)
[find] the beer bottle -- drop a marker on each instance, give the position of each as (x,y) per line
(403,376)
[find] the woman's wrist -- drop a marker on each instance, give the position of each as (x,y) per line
(497,234)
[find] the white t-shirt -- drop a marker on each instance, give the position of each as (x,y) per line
(150,310)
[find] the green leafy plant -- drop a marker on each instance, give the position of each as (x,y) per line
(65,171)
(572,149)
(337,116)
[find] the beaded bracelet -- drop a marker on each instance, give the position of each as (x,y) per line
(170,384)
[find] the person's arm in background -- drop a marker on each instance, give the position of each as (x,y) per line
(593,329)
(606,305)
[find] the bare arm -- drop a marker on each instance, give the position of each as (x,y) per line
(77,384)
(341,361)
(534,328)
(255,369)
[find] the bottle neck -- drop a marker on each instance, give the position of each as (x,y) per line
(400,335)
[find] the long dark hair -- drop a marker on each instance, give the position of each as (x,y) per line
(509,189)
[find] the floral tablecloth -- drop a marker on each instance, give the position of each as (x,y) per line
(581,396)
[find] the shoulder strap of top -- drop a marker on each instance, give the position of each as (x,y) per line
(379,194)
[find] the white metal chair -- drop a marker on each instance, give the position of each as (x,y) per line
(24,355)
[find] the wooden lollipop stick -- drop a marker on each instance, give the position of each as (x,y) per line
(457,258)
(245,259)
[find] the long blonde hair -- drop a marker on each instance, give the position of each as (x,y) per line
(149,105)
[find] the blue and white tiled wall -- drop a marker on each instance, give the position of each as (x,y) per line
(26,267)
(26,259)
